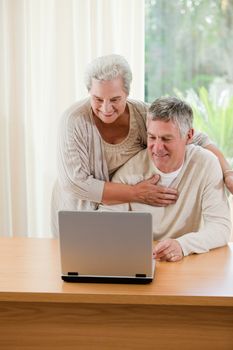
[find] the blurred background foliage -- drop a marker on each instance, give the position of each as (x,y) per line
(189,52)
(213,117)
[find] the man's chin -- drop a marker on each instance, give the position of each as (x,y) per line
(160,159)
(161,164)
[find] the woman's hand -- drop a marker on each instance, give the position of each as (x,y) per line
(148,192)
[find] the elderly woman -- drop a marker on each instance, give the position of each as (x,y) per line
(100,134)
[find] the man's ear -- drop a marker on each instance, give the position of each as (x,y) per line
(189,136)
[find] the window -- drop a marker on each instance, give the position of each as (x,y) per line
(189,50)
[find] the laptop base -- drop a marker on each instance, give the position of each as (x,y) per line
(115,280)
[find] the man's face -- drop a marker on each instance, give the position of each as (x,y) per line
(108,99)
(165,145)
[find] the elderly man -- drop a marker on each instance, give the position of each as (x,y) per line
(200,219)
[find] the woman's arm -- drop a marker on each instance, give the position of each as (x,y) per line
(146,192)
(226,169)
(77,149)
(203,140)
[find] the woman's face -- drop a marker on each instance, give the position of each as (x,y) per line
(108,99)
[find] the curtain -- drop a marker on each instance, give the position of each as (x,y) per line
(44,48)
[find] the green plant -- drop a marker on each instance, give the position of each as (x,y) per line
(213,118)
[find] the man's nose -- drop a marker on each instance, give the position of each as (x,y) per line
(158,146)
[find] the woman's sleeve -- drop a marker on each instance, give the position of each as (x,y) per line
(76,153)
(201,139)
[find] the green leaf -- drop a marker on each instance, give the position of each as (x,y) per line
(216,120)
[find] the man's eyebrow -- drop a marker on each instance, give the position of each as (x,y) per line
(114,97)
(168,136)
(165,135)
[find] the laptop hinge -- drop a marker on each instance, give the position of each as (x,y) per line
(72,273)
(143,275)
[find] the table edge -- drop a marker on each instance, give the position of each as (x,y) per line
(217,301)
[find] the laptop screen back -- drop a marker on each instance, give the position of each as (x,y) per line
(113,244)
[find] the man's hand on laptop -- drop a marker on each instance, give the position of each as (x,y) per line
(149,192)
(168,250)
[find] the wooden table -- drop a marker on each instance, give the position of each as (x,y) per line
(189,305)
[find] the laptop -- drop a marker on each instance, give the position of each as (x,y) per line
(106,247)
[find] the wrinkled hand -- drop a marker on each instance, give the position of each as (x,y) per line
(148,192)
(168,250)
(229,182)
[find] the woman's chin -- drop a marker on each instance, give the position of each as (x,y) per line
(109,119)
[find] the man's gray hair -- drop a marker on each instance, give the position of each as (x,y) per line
(107,68)
(174,109)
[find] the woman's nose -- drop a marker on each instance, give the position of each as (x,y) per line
(106,107)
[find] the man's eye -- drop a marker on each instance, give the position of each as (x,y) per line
(166,140)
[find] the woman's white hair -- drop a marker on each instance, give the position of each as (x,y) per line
(107,68)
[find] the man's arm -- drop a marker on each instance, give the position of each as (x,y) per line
(216,229)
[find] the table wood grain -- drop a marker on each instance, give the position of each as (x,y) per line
(189,304)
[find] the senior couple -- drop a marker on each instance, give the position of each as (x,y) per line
(103,163)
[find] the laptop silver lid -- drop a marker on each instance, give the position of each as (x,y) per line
(112,244)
